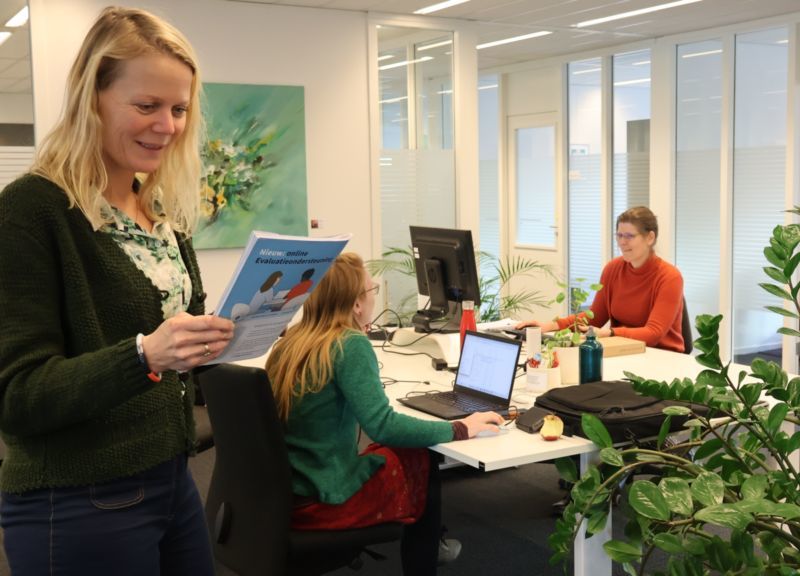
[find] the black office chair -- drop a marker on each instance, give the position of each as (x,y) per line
(249,501)
(686,330)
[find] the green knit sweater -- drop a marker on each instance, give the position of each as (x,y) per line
(321,430)
(76,406)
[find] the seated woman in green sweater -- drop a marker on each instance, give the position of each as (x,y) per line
(325,378)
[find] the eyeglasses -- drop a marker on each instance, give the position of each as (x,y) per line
(375,288)
(626,236)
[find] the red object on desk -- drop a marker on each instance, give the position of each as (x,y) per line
(467,318)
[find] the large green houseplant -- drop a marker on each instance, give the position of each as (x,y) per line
(496,300)
(727,498)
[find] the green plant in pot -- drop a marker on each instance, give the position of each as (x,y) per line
(497,301)
(569,336)
(724,498)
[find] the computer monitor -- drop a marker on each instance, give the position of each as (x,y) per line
(446,273)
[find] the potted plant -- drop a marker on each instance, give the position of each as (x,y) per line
(562,348)
(733,471)
(496,300)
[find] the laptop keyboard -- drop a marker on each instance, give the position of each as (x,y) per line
(464,403)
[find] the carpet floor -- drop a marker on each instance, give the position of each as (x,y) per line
(502,519)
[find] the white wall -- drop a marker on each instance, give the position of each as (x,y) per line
(16,109)
(323,50)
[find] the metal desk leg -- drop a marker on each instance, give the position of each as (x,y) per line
(590,558)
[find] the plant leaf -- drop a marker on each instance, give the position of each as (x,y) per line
(567,469)
(708,488)
(750,392)
(597,522)
(707,448)
(754,487)
(595,430)
(785,510)
(669,543)
(724,515)
(776,274)
(663,431)
(782,311)
(776,416)
(622,552)
(612,457)
(677,410)
(678,495)
(791,265)
(646,499)
(776,290)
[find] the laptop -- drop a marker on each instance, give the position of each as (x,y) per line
(484,379)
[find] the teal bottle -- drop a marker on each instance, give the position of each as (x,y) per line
(591,359)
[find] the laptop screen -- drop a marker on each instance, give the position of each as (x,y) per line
(488,364)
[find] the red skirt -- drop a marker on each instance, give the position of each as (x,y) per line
(395,493)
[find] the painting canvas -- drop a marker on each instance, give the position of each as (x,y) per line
(254,175)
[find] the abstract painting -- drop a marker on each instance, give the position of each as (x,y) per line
(254,164)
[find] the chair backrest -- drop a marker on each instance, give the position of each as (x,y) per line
(686,329)
(249,499)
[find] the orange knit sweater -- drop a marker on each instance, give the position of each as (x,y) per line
(643,303)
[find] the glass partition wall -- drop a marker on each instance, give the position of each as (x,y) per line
(585,156)
(759,180)
(731,127)
(697,173)
(417,163)
(631,116)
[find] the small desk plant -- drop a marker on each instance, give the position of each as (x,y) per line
(734,471)
(570,336)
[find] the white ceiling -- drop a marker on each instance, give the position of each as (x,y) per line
(15,65)
(499,19)
(496,19)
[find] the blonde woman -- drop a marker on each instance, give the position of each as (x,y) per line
(325,378)
(103,318)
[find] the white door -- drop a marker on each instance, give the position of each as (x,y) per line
(535,205)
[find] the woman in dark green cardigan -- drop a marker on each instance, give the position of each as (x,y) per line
(324,375)
(102,310)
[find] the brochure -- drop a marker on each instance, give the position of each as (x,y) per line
(274,277)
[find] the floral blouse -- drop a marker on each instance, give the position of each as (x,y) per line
(156,254)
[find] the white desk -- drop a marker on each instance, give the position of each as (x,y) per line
(515,447)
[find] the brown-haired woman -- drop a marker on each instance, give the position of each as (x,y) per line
(642,294)
(103,318)
(325,378)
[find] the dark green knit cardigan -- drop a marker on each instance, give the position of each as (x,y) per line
(76,406)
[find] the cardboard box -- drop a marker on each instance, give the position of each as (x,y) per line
(620,346)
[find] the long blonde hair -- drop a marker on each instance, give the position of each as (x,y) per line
(71,154)
(302,361)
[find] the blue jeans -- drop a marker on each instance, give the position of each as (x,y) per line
(148,524)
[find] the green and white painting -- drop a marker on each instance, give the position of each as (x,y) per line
(254,175)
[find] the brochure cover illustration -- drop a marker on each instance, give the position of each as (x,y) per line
(274,277)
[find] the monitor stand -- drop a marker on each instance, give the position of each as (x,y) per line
(447,346)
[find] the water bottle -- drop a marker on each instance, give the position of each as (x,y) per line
(591,359)
(467,318)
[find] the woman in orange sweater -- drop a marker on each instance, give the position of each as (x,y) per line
(642,294)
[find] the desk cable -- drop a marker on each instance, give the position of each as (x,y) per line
(388,381)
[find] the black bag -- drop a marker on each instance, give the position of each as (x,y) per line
(627,415)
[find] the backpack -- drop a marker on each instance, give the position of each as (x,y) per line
(628,416)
